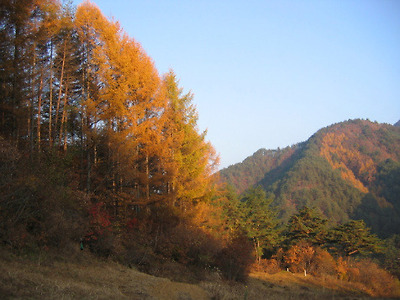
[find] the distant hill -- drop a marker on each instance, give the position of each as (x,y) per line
(397,123)
(349,170)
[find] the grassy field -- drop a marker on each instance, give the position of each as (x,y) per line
(84,277)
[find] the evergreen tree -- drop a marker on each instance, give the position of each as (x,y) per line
(306,225)
(353,238)
(258,220)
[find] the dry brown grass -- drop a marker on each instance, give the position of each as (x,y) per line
(86,277)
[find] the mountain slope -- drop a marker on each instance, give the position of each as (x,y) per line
(348,170)
(249,172)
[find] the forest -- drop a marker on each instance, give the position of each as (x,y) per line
(348,170)
(101,153)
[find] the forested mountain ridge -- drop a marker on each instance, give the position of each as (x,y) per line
(349,170)
(247,173)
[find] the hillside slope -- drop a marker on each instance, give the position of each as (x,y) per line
(90,278)
(348,170)
(253,169)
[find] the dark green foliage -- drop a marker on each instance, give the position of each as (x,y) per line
(308,226)
(381,208)
(248,173)
(258,220)
(230,207)
(387,182)
(390,257)
(353,238)
(311,182)
(379,215)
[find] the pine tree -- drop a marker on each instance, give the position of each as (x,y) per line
(306,225)
(353,238)
(258,220)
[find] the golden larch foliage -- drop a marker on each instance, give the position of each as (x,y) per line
(348,160)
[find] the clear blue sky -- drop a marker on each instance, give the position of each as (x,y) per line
(268,74)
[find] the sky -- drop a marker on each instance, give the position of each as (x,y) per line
(269,74)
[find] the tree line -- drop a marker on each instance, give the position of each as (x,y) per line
(96,145)
(73,81)
(309,243)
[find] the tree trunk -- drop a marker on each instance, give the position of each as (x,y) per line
(60,88)
(31,105)
(39,117)
(64,116)
(51,96)
(256,248)
(89,169)
(88,157)
(147,179)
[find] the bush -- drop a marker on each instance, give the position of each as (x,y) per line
(187,244)
(379,281)
(270,266)
(322,263)
(235,260)
(37,211)
(342,268)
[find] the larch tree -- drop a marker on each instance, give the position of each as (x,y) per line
(194,158)
(45,25)
(16,68)
(88,20)
(64,96)
(126,109)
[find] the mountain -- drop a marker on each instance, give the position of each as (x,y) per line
(349,170)
(397,123)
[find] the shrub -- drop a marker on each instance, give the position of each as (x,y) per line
(270,266)
(235,259)
(342,268)
(379,281)
(187,244)
(322,263)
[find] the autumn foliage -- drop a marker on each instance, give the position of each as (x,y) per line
(350,162)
